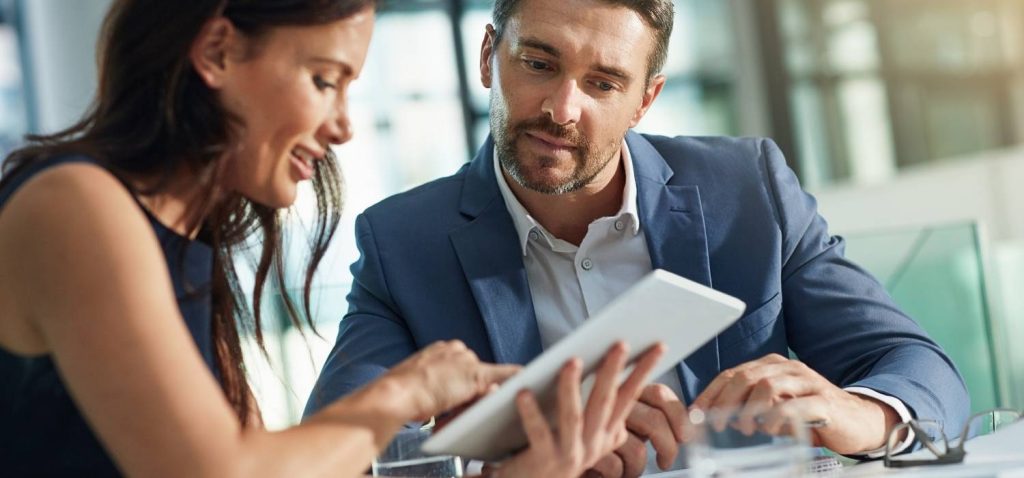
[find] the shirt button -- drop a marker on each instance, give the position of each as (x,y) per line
(619,225)
(587,264)
(534,235)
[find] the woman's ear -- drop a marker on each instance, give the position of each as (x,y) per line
(210,49)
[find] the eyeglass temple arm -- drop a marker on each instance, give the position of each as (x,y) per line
(926,440)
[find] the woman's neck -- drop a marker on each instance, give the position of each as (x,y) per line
(179,204)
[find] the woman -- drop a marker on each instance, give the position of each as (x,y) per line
(119,304)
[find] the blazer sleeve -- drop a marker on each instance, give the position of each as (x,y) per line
(372,337)
(842,323)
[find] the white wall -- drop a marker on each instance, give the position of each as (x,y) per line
(60,40)
(984,188)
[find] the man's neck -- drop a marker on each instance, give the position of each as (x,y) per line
(568,216)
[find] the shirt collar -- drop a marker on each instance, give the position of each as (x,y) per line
(525,223)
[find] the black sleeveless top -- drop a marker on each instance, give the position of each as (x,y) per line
(42,432)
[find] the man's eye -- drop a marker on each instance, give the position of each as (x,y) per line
(605,86)
(537,65)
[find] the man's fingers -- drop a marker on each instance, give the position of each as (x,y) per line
(705,400)
(735,392)
(570,414)
(735,385)
(651,423)
(664,399)
(609,466)
(599,404)
(633,455)
(770,391)
(796,413)
(534,424)
(733,396)
(631,388)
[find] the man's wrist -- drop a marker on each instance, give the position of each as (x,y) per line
(888,414)
(890,417)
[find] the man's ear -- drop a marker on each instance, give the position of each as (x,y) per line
(650,94)
(209,52)
(486,55)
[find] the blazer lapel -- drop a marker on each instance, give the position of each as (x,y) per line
(492,260)
(673,221)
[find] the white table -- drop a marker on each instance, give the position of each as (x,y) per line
(998,455)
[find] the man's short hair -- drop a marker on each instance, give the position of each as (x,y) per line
(659,15)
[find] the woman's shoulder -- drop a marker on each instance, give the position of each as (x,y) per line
(71,207)
(64,233)
(68,185)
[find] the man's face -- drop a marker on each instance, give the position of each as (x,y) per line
(567,80)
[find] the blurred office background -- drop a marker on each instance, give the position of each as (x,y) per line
(904,117)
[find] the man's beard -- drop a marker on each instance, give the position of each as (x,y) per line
(588,163)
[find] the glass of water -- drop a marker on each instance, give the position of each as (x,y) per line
(735,442)
(403,457)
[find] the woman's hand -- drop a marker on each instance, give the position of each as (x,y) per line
(442,377)
(584,435)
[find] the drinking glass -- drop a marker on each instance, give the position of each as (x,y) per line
(403,457)
(735,442)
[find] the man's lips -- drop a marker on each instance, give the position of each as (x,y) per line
(551,141)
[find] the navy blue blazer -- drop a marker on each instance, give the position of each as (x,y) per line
(443,261)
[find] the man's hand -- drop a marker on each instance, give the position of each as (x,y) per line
(773,388)
(584,433)
(658,417)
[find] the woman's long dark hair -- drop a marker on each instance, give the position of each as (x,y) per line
(153,117)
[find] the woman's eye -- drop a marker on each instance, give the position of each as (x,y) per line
(322,84)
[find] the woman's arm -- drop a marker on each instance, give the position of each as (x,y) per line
(87,272)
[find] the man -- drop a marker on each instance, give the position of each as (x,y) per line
(565,207)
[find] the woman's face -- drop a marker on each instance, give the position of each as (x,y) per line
(289,90)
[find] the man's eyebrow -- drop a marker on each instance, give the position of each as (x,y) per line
(613,71)
(539,45)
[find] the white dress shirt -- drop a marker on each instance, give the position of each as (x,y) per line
(568,284)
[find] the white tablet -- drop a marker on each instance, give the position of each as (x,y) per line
(662,307)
